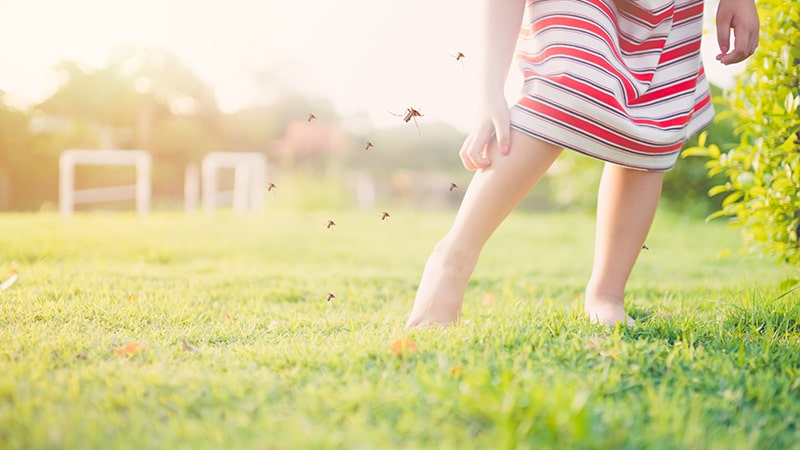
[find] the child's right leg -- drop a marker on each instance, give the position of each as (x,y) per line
(626,205)
(490,197)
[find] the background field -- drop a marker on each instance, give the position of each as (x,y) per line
(270,364)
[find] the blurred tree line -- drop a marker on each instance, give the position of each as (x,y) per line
(144,98)
(147,98)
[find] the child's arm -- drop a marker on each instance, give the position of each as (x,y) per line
(500,29)
(742,17)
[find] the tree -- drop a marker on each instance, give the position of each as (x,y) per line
(132,94)
(762,171)
(144,98)
(90,95)
(14,136)
(165,88)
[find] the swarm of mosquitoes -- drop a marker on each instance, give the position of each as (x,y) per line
(410,114)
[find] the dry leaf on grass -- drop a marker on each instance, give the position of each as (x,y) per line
(130,349)
(402,347)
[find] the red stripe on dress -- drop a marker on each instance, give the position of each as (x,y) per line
(598,62)
(577,122)
(688,13)
(687,85)
(593,28)
(641,15)
(679,51)
(702,103)
(613,103)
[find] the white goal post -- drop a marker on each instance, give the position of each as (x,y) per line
(68,196)
(249,180)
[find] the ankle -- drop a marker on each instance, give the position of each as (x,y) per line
(600,300)
(454,257)
(606,307)
(598,294)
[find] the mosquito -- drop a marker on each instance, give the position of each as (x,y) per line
(411,113)
(645,247)
(453,186)
(385,215)
(369,145)
(459,56)
(271,186)
(330,224)
(311,117)
(330,296)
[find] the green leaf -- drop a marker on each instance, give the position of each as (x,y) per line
(718,189)
(694,151)
(735,196)
(713,151)
(717,214)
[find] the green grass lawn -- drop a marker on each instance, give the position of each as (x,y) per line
(270,363)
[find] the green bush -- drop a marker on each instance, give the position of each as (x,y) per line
(762,171)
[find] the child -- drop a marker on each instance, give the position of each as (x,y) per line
(619,80)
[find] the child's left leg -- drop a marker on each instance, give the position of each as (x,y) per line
(626,204)
(492,194)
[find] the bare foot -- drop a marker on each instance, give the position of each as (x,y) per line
(607,313)
(441,290)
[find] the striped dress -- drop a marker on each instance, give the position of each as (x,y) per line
(619,80)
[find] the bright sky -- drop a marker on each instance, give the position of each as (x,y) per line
(368,56)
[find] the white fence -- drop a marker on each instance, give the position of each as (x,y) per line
(68,196)
(249,180)
(247,195)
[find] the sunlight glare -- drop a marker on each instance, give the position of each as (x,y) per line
(369,57)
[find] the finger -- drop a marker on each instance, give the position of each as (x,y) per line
(477,154)
(503,137)
(745,42)
(753,37)
(472,154)
(462,153)
(737,55)
(724,18)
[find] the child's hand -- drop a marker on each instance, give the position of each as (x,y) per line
(742,17)
(494,123)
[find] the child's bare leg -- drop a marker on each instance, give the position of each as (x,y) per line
(491,196)
(626,205)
